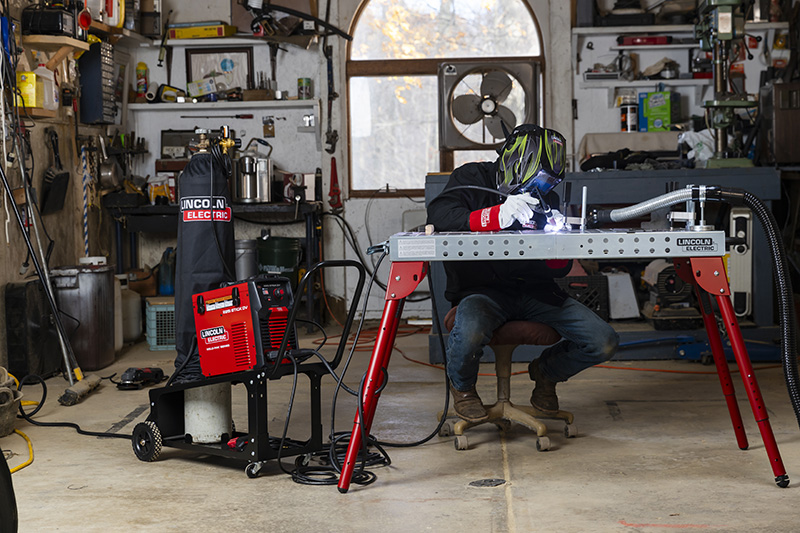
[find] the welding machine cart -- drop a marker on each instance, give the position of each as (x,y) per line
(165,425)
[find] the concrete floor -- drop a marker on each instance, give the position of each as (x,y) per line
(655,452)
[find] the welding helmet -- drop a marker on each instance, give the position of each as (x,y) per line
(532,159)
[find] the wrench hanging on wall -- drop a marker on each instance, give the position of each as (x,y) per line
(331,135)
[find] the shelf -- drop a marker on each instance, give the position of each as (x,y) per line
(240,39)
(223,106)
(39,112)
(668,28)
(115,35)
(679,46)
(699,84)
(62,46)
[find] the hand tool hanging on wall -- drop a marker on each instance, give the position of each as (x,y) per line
(331,135)
(165,51)
(335,193)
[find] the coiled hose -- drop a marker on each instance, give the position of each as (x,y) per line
(780,267)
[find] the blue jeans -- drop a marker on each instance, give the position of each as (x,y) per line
(587,339)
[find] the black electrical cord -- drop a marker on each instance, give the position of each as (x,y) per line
(76,427)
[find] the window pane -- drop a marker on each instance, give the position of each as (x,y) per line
(394,131)
(469,156)
(409,29)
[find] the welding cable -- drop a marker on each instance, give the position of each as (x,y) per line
(780,265)
(76,427)
(446,383)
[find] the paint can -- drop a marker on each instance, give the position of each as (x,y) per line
(304,90)
(628,118)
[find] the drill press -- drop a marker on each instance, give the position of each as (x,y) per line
(721,22)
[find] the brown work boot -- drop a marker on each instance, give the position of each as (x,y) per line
(543,396)
(468,405)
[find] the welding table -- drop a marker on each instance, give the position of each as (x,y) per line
(698,260)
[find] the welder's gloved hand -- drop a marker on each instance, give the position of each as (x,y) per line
(556,221)
(517,207)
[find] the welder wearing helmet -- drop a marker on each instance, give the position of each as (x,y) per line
(491,293)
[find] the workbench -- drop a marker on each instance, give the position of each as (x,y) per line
(628,187)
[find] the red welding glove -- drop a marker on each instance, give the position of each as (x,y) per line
(517,207)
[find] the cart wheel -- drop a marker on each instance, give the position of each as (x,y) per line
(706,359)
(447,429)
(461,442)
(252,470)
(543,444)
(570,431)
(782,481)
(146,440)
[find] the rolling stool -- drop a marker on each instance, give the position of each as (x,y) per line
(503,413)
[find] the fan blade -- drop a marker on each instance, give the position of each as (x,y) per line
(493,123)
(496,84)
(467,108)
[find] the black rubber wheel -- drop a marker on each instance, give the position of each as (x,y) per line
(252,470)
(782,481)
(146,441)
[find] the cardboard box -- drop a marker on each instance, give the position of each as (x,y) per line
(31,92)
(202,32)
(660,110)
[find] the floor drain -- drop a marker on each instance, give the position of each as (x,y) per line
(492,482)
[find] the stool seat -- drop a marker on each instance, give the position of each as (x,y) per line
(503,413)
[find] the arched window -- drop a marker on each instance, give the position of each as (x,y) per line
(392,69)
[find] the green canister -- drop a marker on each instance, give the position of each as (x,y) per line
(304,90)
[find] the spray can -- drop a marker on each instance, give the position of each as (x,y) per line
(141,80)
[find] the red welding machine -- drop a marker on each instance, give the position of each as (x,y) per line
(240,326)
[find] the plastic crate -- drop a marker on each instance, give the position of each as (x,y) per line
(591,291)
(160,317)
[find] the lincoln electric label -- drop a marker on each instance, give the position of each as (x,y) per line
(200,208)
(213,335)
(417,247)
(697,244)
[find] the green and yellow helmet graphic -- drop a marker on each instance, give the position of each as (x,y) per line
(531,158)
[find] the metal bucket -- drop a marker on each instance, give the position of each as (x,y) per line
(85,295)
(246,259)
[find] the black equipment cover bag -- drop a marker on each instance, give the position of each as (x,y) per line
(203,261)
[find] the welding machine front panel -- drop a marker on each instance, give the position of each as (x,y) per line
(227,338)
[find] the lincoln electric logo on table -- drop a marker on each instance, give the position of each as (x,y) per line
(697,244)
(200,208)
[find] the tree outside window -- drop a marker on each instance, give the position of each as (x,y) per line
(392,74)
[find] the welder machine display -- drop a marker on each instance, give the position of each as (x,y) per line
(240,326)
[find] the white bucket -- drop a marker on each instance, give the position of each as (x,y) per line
(207,412)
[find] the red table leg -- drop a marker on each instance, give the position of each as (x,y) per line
(753,391)
(723,371)
(684,269)
(709,274)
(403,279)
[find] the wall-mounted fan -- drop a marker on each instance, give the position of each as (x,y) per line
(475,99)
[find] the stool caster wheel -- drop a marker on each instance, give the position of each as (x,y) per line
(461,442)
(503,425)
(570,431)
(542,444)
(252,470)
(447,428)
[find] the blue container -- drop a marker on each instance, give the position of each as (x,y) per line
(166,273)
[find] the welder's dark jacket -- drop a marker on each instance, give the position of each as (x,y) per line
(450,211)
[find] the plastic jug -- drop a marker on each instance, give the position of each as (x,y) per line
(49,88)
